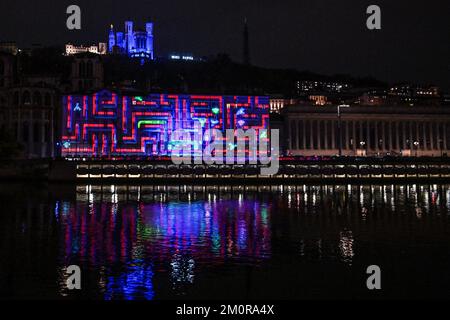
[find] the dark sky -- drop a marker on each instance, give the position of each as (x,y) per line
(324,36)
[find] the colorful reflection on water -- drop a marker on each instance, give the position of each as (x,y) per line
(172,237)
(159,242)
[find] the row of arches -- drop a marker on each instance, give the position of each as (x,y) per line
(33,132)
(85,69)
(37,98)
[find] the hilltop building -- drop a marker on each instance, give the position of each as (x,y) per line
(136,43)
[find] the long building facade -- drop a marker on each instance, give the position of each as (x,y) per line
(109,123)
(363,130)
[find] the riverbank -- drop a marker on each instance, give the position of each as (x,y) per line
(291,171)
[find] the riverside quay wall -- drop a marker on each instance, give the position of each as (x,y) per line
(291,170)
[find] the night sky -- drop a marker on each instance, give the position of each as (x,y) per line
(322,36)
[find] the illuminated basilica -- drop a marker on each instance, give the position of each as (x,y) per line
(137,43)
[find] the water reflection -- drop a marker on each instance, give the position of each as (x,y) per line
(135,282)
(154,242)
(346,246)
(171,236)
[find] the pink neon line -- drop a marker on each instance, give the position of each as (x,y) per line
(84,107)
(124,114)
(69,118)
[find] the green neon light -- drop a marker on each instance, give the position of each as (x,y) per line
(144,122)
(139,99)
(215,110)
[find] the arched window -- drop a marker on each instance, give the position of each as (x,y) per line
(82,69)
(15,128)
(37,98)
(48,99)
(26,98)
(36,132)
(25,132)
(46,134)
(16,98)
(89,69)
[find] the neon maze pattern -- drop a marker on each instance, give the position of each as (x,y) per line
(109,124)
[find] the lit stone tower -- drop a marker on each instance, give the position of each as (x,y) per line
(120,40)
(112,39)
(149,44)
(129,36)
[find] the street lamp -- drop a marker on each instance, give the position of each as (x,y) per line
(362,144)
(339,125)
(416,146)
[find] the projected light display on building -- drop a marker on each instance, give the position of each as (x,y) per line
(110,124)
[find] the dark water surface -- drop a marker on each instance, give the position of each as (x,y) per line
(195,242)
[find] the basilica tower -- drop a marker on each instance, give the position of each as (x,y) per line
(112,39)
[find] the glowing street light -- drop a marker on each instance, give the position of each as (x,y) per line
(362,144)
(416,146)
